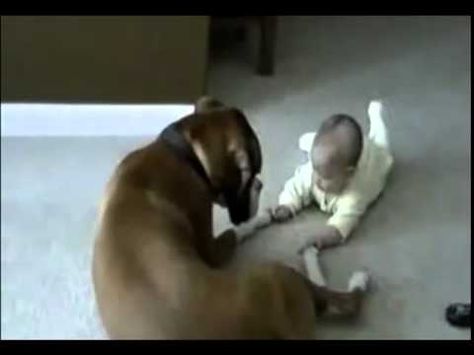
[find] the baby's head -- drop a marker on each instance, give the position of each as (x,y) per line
(335,152)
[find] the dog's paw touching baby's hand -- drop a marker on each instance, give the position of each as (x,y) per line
(263,219)
(281,214)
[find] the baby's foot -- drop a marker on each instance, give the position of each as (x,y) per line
(375,108)
(378,130)
(359,281)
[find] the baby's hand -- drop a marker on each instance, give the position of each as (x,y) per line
(281,214)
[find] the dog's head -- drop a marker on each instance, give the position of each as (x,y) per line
(230,152)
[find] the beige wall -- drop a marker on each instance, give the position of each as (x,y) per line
(103,58)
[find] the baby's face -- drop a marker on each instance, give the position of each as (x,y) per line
(329,173)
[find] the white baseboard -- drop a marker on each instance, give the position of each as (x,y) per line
(88,120)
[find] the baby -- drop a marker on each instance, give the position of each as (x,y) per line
(345,173)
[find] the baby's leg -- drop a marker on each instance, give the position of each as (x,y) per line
(313,269)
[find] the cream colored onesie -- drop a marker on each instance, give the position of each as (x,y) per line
(365,186)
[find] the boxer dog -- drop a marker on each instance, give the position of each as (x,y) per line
(159,272)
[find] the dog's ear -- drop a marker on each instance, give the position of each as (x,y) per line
(242,194)
(206,103)
(242,190)
(242,163)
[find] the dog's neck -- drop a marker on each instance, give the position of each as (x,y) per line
(193,155)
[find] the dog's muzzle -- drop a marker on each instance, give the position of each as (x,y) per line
(243,205)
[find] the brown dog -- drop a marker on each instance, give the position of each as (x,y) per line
(156,261)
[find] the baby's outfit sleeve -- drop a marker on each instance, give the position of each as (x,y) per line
(297,192)
(350,208)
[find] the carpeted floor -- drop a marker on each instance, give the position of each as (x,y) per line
(415,241)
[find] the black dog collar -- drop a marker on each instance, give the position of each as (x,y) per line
(175,140)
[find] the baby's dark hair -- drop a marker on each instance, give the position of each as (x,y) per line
(354,134)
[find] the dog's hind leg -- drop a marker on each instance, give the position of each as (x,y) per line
(341,303)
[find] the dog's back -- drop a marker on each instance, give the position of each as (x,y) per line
(140,225)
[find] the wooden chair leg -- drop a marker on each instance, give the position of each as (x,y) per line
(266,56)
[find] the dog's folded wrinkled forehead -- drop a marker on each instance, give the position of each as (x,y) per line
(206,103)
(209,104)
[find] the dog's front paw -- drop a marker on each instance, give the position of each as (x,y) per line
(247,229)
(263,219)
(220,250)
(359,281)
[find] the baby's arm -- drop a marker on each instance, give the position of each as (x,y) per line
(349,211)
(296,194)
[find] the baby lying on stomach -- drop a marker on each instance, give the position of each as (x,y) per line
(345,173)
